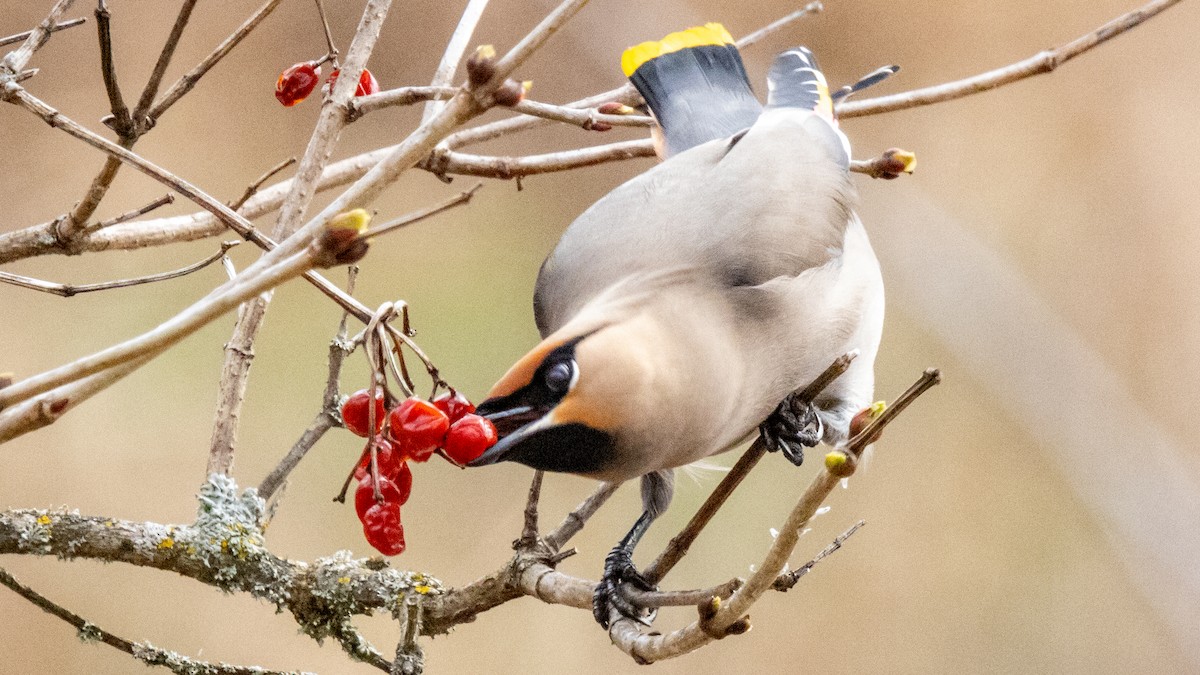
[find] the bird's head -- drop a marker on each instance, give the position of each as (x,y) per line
(565,404)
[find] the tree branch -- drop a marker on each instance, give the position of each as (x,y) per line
(15,61)
(20,37)
(455,48)
(145,652)
(1038,64)
(68,290)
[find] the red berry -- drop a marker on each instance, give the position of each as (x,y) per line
(454,404)
(389,459)
(395,492)
(367,84)
(469,437)
(418,428)
(296,83)
(356,412)
(381,525)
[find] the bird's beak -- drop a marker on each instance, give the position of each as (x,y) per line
(513,424)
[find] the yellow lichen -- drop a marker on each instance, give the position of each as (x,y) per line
(43,519)
(167,543)
(343,580)
(422,589)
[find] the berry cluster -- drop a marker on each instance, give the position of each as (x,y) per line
(297,82)
(413,430)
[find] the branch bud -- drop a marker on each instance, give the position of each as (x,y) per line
(481,65)
(512,92)
(339,243)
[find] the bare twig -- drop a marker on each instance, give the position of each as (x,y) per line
(774,26)
(575,520)
(529,533)
(15,61)
(401,96)
(189,80)
(1038,64)
(13,39)
(160,66)
(47,408)
(142,651)
(455,48)
(326,419)
(357,646)
(122,123)
(785,581)
(68,290)
(417,216)
(332,53)
(410,659)
(135,213)
(891,164)
(680,543)
(257,184)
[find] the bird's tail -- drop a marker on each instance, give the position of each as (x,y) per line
(796,82)
(695,84)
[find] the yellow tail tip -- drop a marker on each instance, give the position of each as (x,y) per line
(696,36)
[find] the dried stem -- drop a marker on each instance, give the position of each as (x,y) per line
(135,213)
(122,123)
(19,37)
(1038,64)
(785,581)
(68,290)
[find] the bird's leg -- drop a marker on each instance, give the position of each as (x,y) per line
(618,569)
(793,426)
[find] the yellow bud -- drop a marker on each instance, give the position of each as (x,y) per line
(485,52)
(355,219)
(835,460)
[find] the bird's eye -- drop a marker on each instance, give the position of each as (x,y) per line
(560,377)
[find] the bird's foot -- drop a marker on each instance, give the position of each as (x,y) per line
(790,431)
(619,569)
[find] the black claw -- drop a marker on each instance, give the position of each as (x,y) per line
(789,430)
(619,569)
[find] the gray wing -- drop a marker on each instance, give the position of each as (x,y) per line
(772,202)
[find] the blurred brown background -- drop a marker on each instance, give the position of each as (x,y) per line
(1038,512)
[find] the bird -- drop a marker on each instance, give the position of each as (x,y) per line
(680,311)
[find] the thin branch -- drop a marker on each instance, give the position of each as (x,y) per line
(47,408)
(142,651)
(575,520)
(154,342)
(257,184)
(122,123)
(70,23)
(455,48)
(326,419)
(529,532)
(410,659)
(401,96)
(68,290)
(135,213)
(460,199)
(189,80)
(785,581)
(1038,64)
(160,66)
(332,52)
(765,31)
(680,543)
(15,61)
(357,646)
